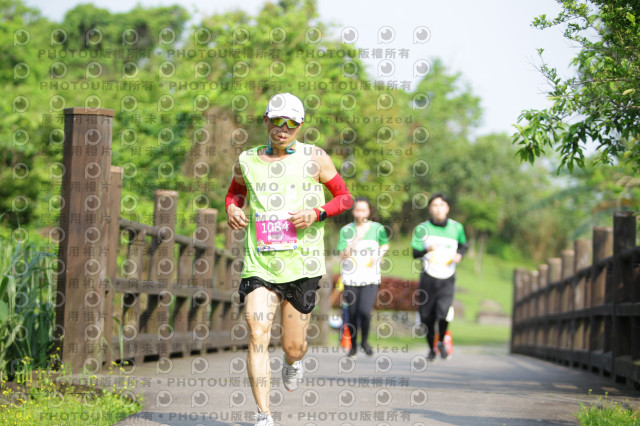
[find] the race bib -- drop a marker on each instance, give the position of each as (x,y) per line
(439,261)
(274,231)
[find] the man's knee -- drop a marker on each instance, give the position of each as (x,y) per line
(259,332)
(295,349)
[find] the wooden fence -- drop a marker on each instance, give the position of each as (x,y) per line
(583,309)
(170,295)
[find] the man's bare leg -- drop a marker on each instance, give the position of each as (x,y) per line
(260,309)
(294,332)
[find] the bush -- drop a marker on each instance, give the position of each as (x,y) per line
(608,413)
(395,294)
(27,305)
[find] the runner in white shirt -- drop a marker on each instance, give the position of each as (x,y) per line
(362,244)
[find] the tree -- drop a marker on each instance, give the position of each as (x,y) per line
(285,48)
(187,101)
(599,104)
(444,112)
(51,66)
(19,77)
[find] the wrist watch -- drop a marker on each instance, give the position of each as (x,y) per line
(321,215)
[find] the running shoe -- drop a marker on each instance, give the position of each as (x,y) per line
(352,352)
(291,374)
(263,419)
(431,356)
(367,349)
(443,350)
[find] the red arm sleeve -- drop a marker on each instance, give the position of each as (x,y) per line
(342,200)
(236,195)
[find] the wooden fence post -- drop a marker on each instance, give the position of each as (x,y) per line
(583,256)
(162,269)
(533,287)
(579,323)
(525,291)
(113,208)
(516,314)
(135,302)
(543,304)
(533,307)
(568,269)
(186,279)
(83,246)
(543,283)
(205,278)
(602,248)
(568,265)
(555,272)
(624,237)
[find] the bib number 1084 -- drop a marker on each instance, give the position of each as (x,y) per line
(275,227)
(274,231)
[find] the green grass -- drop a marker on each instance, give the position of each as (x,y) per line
(607,413)
(44,397)
(27,304)
(464,333)
(470,333)
(35,395)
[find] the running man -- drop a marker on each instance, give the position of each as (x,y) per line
(441,243)
(284,245)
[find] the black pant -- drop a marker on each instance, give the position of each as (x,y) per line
(360,300)
(435,298)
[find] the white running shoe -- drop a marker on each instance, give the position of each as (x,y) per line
(291,374)
(263,419)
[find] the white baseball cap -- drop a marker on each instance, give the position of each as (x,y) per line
(285,105)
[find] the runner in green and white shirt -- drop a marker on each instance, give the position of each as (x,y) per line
(441,243)
(362,244)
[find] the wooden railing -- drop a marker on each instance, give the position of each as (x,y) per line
(583,309)
(169,295)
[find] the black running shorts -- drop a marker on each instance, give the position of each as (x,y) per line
(300,293)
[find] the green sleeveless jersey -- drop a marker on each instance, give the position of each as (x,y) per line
(274,250)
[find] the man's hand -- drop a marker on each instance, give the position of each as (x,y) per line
(303,219)
(456,258)
(236,218)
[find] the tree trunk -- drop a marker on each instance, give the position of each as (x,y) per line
(395,227)
(482,242)
(471,244)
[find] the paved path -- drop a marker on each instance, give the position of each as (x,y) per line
(478,386)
